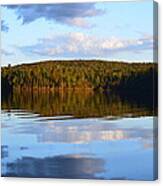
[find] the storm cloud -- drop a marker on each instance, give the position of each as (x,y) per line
(74,14)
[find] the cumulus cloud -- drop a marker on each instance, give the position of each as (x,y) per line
(78,44)
(71,13)
(4,26)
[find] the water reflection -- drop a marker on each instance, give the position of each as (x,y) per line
(79,104)
(70,166)
(78,130)
(77,135)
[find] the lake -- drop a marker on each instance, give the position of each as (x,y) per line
(78,134)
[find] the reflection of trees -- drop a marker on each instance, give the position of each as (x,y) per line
(71,166)
(78,104)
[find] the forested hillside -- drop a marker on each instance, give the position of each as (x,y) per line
(94,75)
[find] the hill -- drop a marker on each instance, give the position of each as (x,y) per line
(81,74)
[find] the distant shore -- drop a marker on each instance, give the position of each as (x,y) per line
(81,75)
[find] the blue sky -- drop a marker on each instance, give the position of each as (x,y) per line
(104,30)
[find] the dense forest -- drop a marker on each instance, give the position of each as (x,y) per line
(81,74)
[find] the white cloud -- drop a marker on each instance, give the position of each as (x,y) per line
(79,44)
(79,22)
(6,53)
(113,43)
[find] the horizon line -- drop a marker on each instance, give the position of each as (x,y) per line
(79,59)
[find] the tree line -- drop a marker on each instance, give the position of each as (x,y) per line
(81,74)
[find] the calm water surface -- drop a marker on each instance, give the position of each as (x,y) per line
(80,136)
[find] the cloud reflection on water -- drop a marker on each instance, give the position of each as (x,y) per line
(70,166)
